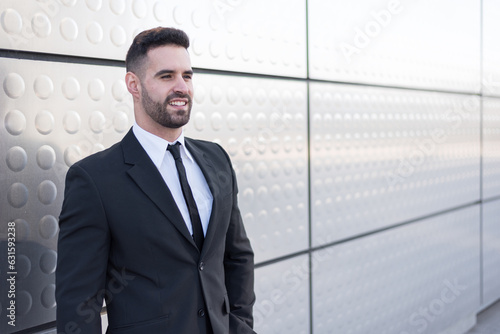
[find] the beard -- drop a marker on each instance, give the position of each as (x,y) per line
(160,113)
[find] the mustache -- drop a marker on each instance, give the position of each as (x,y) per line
(177,96)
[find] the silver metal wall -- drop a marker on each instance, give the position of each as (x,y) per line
(364,134)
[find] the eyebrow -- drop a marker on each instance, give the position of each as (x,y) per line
(162,72)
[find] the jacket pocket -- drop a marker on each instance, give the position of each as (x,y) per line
(156,325)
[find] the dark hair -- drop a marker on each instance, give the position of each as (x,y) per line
(150,39)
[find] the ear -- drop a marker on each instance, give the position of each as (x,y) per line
(133,84)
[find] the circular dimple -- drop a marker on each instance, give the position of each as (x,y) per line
(117,6)
(17,195)
(71,122)
(46,157)
(71,88)
(48,262)
(15,122)
(43,87)
(118,35)
(216,121)
(160,11)
(94,33)
(16,159)
(13,85)
(249,195)
(261,120)
(22,229)
(47,192)
(180,15)
(262,170)
(261,96)
(139,9)
(41,26)
(248,171)
(198,46)
(68,29)
(215,49)
(232,95)
(24,302)
(247,96)
(69,3)
(12,22)
(23,266)
(232,147)
(275,169)
(216,94)
(247,120)
(231,51)
(214,21)
(199,121)
(97,120)
(232,121)
(47,297)
(198,18)
(96,89)
(72,154)
(120,122)
(44,122)
(119,90)
(199,97)
(48,227)
(94,5)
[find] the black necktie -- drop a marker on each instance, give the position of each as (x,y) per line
(188,195)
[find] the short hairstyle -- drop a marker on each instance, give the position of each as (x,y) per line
(150,39)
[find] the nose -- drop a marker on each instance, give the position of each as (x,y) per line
(181,85)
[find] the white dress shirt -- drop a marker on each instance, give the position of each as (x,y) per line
(156,148)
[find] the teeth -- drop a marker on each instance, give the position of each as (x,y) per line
(177,103)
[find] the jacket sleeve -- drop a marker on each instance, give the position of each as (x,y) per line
(239,270)
(83,247)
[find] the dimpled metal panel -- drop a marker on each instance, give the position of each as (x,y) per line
(491,147)
(491,48)
(491,252)
(262,123)
(383,156)
(423,44)
(417,278)
(238,35)
(52,114)
(282,291)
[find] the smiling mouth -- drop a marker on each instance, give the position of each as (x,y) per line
(177,103)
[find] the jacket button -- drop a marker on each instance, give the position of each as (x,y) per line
(201,312)
(201,266)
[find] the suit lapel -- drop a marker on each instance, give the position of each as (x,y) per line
(207,167)
(148,178)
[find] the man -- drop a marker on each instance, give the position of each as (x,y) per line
(129,231)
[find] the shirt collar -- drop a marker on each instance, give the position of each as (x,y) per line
(156,147)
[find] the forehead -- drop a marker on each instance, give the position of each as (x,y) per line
(171,57)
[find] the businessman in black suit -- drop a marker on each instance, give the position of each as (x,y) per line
(165,258)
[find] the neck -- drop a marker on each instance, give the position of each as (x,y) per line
(169,134)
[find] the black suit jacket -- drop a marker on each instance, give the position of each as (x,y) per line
(122,238)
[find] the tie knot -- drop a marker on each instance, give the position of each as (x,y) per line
(175,150)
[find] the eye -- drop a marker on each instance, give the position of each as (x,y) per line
(188,76)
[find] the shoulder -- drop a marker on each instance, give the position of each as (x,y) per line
(100,158)
(206,146)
